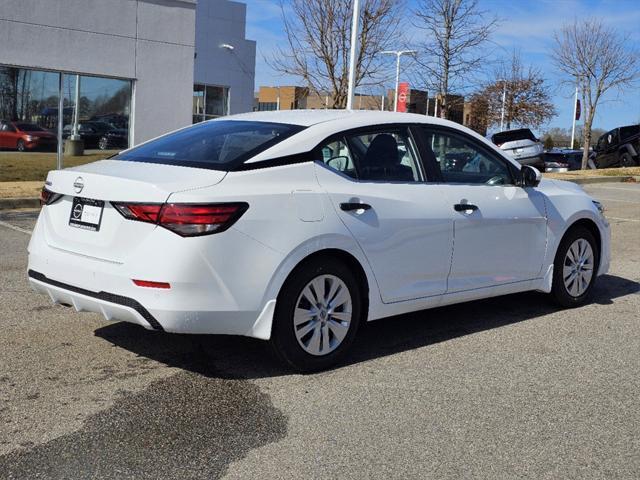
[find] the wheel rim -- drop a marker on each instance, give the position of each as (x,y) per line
(578,267)
(103,144)
(322,315)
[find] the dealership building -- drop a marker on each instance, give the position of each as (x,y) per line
(147,66)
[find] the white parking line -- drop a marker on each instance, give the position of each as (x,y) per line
(636,190)
(17,229)
(616,200)
(623,219)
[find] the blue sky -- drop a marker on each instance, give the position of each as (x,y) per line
(526,25)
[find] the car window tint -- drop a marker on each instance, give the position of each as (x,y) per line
(216,145)
(336,156)
(460,161)
(386,156)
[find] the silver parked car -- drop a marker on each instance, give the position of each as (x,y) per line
(522,145)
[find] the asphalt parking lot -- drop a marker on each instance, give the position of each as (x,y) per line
(510,387)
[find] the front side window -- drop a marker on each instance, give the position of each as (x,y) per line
(461,161)
(216,145)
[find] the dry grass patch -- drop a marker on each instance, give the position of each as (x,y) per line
(15,166)
(605,172)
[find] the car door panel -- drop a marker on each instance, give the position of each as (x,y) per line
(503,241)
(406,235)
(502,237)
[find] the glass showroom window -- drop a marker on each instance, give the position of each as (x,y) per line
(209,102)
(30,103)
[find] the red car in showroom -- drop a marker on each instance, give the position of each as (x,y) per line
(23,136)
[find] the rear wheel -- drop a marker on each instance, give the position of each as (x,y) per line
(626,160)
(575,268)
(103,144)
(317,315)
(21,146)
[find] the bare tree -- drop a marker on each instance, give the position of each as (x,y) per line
(527,97)
(318,40)
(456,31)
(597,58)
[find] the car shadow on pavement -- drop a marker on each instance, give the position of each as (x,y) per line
(232,357)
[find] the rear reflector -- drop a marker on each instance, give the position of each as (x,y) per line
(187,220)
(47,197)
(149,284)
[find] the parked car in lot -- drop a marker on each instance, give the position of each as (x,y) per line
(522,145)
(99,135)
(24,136)
(618,147)
(557,160)
(297,226)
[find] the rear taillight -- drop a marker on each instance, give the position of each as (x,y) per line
(139,211)
(47,197)
(187,220)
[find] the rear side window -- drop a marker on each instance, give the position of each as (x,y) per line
(626,132)
(216,145)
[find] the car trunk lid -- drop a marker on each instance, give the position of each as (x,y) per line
(84,220)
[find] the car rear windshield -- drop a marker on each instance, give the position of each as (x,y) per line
(215,145)
(29,127)
(513,135)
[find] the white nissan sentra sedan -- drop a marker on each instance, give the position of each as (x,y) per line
(295,227)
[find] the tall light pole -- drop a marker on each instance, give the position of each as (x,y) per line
(352,53)
(504,100)
(398,54)
(575,114)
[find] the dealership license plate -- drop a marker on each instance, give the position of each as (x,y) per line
(86,213)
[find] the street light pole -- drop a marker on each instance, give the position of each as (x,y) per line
(352,53)
(575,111)
(398,54)
(504,99)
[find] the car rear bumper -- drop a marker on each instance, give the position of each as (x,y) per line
(219,295)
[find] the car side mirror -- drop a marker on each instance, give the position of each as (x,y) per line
(529,176)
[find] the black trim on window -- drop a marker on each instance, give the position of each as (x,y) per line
(105,296)
(277,162)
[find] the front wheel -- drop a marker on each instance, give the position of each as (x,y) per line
(103,144)
(317,315)
(21,146)
(575,268)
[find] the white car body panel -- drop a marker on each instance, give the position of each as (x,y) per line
(418,253)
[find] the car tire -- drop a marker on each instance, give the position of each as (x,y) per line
(20,146)
(575,268)
(626,160)
(103,143)
(310,338)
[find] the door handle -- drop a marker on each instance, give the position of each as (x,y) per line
(349,206)
(464,207)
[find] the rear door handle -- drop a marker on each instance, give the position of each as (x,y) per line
(464,207)
(349,206)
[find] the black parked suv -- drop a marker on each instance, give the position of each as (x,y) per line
(619,147)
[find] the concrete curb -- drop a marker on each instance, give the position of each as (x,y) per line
(13,203)
(603,179)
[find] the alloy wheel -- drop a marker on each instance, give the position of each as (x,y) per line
(578,267)
(322,315)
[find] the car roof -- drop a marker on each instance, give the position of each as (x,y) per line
(307,118)
(320,124)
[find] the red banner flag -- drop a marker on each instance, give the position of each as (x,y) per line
(577,109)
(403,92)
